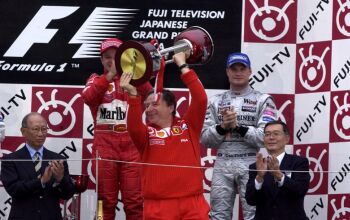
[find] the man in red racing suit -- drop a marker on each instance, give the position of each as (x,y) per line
(108,105)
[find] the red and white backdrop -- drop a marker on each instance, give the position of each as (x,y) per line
(298,51)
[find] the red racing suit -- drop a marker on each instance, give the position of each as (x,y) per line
(177,145)
(108,105)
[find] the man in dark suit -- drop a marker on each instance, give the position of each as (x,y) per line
(35,177)
(273,187)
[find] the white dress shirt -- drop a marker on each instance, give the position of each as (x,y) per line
(280,157)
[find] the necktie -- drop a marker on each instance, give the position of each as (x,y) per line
(37,164)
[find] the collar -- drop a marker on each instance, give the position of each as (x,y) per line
(280,157)
(175,121)
(242,92)
(32,151)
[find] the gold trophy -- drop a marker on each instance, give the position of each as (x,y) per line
(143,59)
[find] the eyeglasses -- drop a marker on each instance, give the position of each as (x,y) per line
(36,130)
(273,134)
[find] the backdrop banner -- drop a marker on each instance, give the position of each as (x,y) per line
(299,54)
(48,49)
(55,42)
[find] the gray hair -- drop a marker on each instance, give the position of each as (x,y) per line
(25,119)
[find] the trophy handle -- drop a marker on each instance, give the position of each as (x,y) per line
(144,59)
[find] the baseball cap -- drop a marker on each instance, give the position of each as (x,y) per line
(108,43)
(238,58)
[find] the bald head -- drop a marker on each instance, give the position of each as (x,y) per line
(26,118)
(34,129)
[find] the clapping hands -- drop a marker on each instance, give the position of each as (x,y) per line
(268,164)
(54,169)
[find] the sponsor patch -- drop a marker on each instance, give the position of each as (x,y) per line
(269,112)
(245,118)
(176,130)
(250,102)
(161,133)
(222,109)
(151,132)
(110,87)
(267,118)
(248,108)
(156,142)
(223,104)
(183,125)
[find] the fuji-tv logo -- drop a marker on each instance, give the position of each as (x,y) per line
(317,155)
(93,31)
(314,63)
(61,108)
(271,21)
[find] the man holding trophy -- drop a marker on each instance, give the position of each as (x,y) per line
(170,190)
(167,139)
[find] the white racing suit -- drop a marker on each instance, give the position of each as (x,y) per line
(237,149)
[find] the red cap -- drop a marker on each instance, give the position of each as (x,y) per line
(108,43)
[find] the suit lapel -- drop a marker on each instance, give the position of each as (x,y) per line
(285,164)
(24,154)
(27,166)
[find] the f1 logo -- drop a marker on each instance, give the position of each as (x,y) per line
(102,20)
(37,27)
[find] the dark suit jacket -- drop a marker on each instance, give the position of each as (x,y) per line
(29,199)
(286,202)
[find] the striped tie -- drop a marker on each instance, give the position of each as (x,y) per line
(37,164)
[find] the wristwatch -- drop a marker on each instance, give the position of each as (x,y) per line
(183,66)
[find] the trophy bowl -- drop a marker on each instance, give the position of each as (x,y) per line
(80,182)
(140,58)
(200,43)
(143,59)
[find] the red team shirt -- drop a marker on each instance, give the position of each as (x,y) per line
(107,101)
(178,145)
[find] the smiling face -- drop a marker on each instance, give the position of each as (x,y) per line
(107,58)
(275,139)
(238,76)
(158,112)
